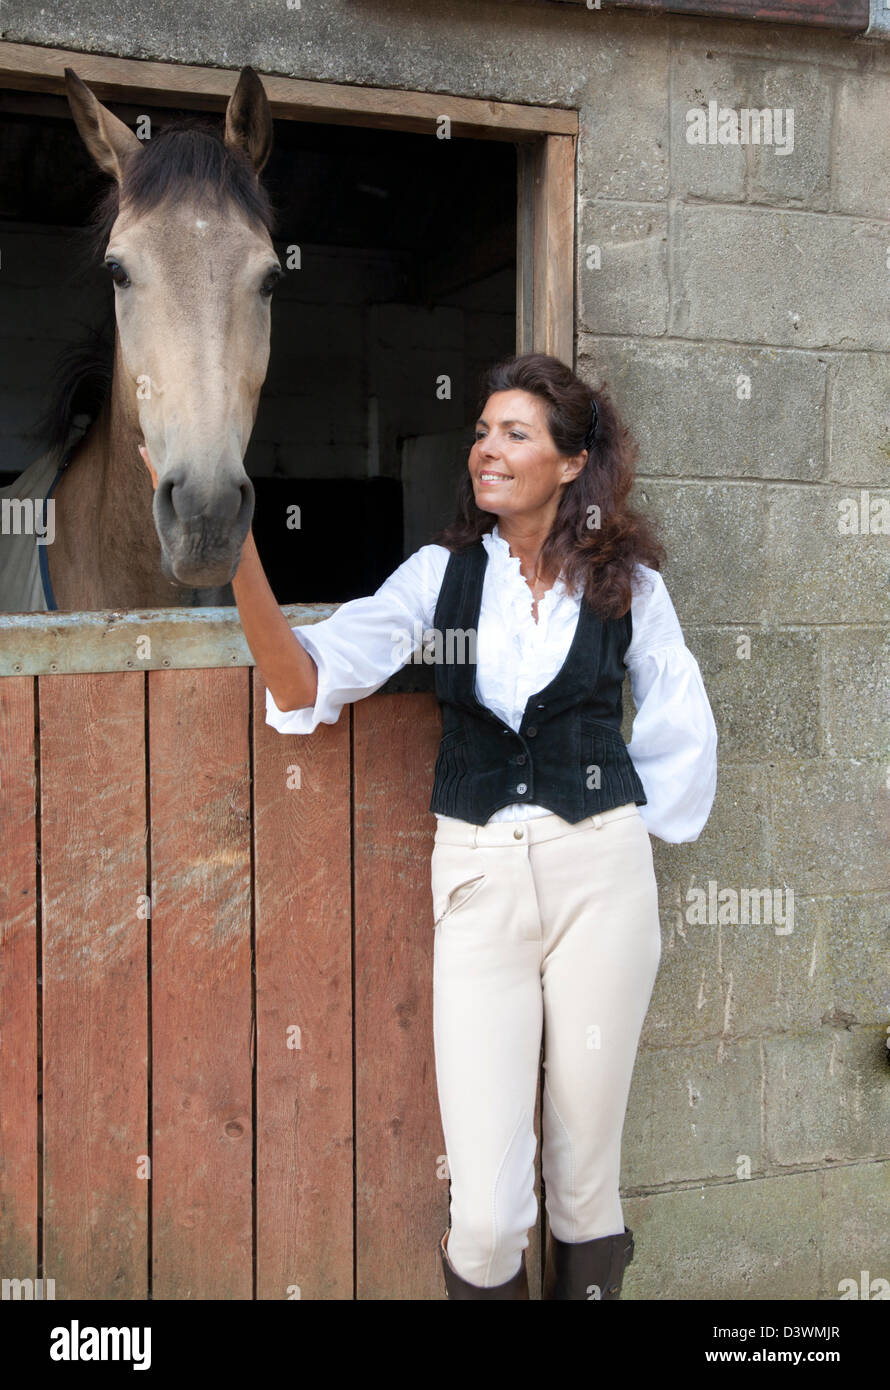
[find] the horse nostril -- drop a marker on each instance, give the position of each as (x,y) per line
(164,491)
(247,498)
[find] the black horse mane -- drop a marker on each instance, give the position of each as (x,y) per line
(186,158)
(81,381)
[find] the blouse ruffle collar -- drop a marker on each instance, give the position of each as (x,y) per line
(509,568)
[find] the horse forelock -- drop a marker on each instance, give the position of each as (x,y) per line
(188,159)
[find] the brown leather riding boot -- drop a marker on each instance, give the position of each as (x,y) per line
(456,1287)
(592,1269)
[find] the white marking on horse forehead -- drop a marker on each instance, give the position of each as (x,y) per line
(201,224)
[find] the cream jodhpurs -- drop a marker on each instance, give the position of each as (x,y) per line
(539,925)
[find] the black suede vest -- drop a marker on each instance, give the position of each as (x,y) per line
(569,754)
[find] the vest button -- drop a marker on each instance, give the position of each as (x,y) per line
(522,789)
(517,834)
(522,759)
(531,731)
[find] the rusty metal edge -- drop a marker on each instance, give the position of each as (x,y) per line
(879,20)
(39,644)
(843,16)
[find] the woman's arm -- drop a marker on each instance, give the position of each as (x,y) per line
(288,671)
(360,645)
(673,743)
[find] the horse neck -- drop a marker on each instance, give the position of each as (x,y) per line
(120,434)
(108,496)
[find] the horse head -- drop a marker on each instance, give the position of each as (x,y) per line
(190,253)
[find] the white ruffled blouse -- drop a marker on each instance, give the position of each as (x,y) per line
(673,742)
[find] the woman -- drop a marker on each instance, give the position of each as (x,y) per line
(544,894)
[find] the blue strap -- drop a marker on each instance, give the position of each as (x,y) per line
(48,595)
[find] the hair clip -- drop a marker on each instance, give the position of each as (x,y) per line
(591,433)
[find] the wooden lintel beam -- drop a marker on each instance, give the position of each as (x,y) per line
(24,66)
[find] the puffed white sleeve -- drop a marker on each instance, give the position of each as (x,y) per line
(365,641)
(673,743)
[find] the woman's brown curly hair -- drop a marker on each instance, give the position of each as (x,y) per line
(598,559)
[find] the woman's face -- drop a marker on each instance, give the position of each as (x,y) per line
(514,464)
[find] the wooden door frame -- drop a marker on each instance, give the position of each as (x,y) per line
(545,138)
(545,251)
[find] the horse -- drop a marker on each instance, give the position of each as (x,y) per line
(184,230)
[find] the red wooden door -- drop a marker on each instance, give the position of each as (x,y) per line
(217,1077)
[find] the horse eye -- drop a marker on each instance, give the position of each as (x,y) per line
(118,274)
(271,280)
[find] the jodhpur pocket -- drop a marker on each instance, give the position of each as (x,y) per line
(452,886)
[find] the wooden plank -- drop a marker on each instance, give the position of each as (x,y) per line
(202,1007)
(303,912)
(180,84)
(18,983)
(554,254)
(527,157)
(106,640)
(95,1034)
(401,1175)
(849,15)
(178,639)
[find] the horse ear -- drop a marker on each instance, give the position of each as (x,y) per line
(108,140)
(249,119)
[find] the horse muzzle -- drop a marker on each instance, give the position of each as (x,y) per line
(201,535)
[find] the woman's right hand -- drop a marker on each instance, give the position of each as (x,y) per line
(287,669)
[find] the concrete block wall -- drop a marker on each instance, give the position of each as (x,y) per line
(740,315)
(735,300)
